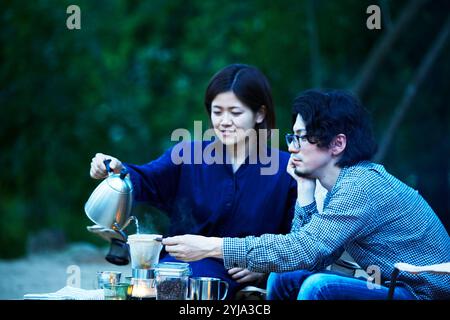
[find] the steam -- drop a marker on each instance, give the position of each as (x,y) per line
(147,224)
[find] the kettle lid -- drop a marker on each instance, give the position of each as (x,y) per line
(120,182)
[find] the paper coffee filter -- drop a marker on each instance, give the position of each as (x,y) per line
(144,251)
(143,237)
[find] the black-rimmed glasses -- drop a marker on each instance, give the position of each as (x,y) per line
(295,139)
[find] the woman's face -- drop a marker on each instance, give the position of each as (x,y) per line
(231,118)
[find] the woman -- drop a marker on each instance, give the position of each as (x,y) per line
(226,198)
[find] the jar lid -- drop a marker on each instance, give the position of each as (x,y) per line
(173,269)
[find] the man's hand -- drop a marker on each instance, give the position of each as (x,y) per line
(244,275)
(305,186)
(192,247)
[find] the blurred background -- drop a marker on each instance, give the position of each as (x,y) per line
(137,70)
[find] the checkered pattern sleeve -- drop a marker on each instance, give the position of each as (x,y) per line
(308,247)
(302,215)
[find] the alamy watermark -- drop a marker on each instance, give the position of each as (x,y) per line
(74,276)
(374,279)
(374,20)
(256,148)
(74,20)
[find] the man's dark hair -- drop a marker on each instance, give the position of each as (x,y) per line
(327,114)
(249,85)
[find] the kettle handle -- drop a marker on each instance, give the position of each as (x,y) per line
(123,172)
(107,162)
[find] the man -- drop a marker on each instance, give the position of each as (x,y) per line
(369,213)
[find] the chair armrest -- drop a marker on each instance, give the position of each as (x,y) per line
(253,289)
(434,268)
(251,293)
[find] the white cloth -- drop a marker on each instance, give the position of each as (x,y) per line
(67,293)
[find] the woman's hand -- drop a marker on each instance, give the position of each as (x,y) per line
(192,247)
(244,275)
(98,169)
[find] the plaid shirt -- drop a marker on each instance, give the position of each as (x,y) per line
(369,213)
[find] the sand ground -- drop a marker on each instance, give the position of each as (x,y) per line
(51,271)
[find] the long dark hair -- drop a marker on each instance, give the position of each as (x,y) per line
(327,114)
(249,85)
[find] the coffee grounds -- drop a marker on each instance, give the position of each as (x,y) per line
(171,289)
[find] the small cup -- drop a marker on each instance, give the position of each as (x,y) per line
(116,291)
(205,288)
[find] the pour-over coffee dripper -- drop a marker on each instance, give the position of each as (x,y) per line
(144,253)
(144,250)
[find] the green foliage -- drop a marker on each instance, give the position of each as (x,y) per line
(137,70)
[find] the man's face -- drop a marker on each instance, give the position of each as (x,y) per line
(309,160)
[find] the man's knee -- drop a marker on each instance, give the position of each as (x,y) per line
(273,278)
(285,285)
(281,279)
(313,287)
(273,283)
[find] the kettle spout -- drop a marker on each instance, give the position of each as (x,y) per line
(127,222)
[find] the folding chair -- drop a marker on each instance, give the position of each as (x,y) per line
(442,268)
(251,293)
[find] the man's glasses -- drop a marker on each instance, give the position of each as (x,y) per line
(295,139)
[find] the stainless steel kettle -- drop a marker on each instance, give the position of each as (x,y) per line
(111,202)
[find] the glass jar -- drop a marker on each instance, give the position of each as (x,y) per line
(172,280)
